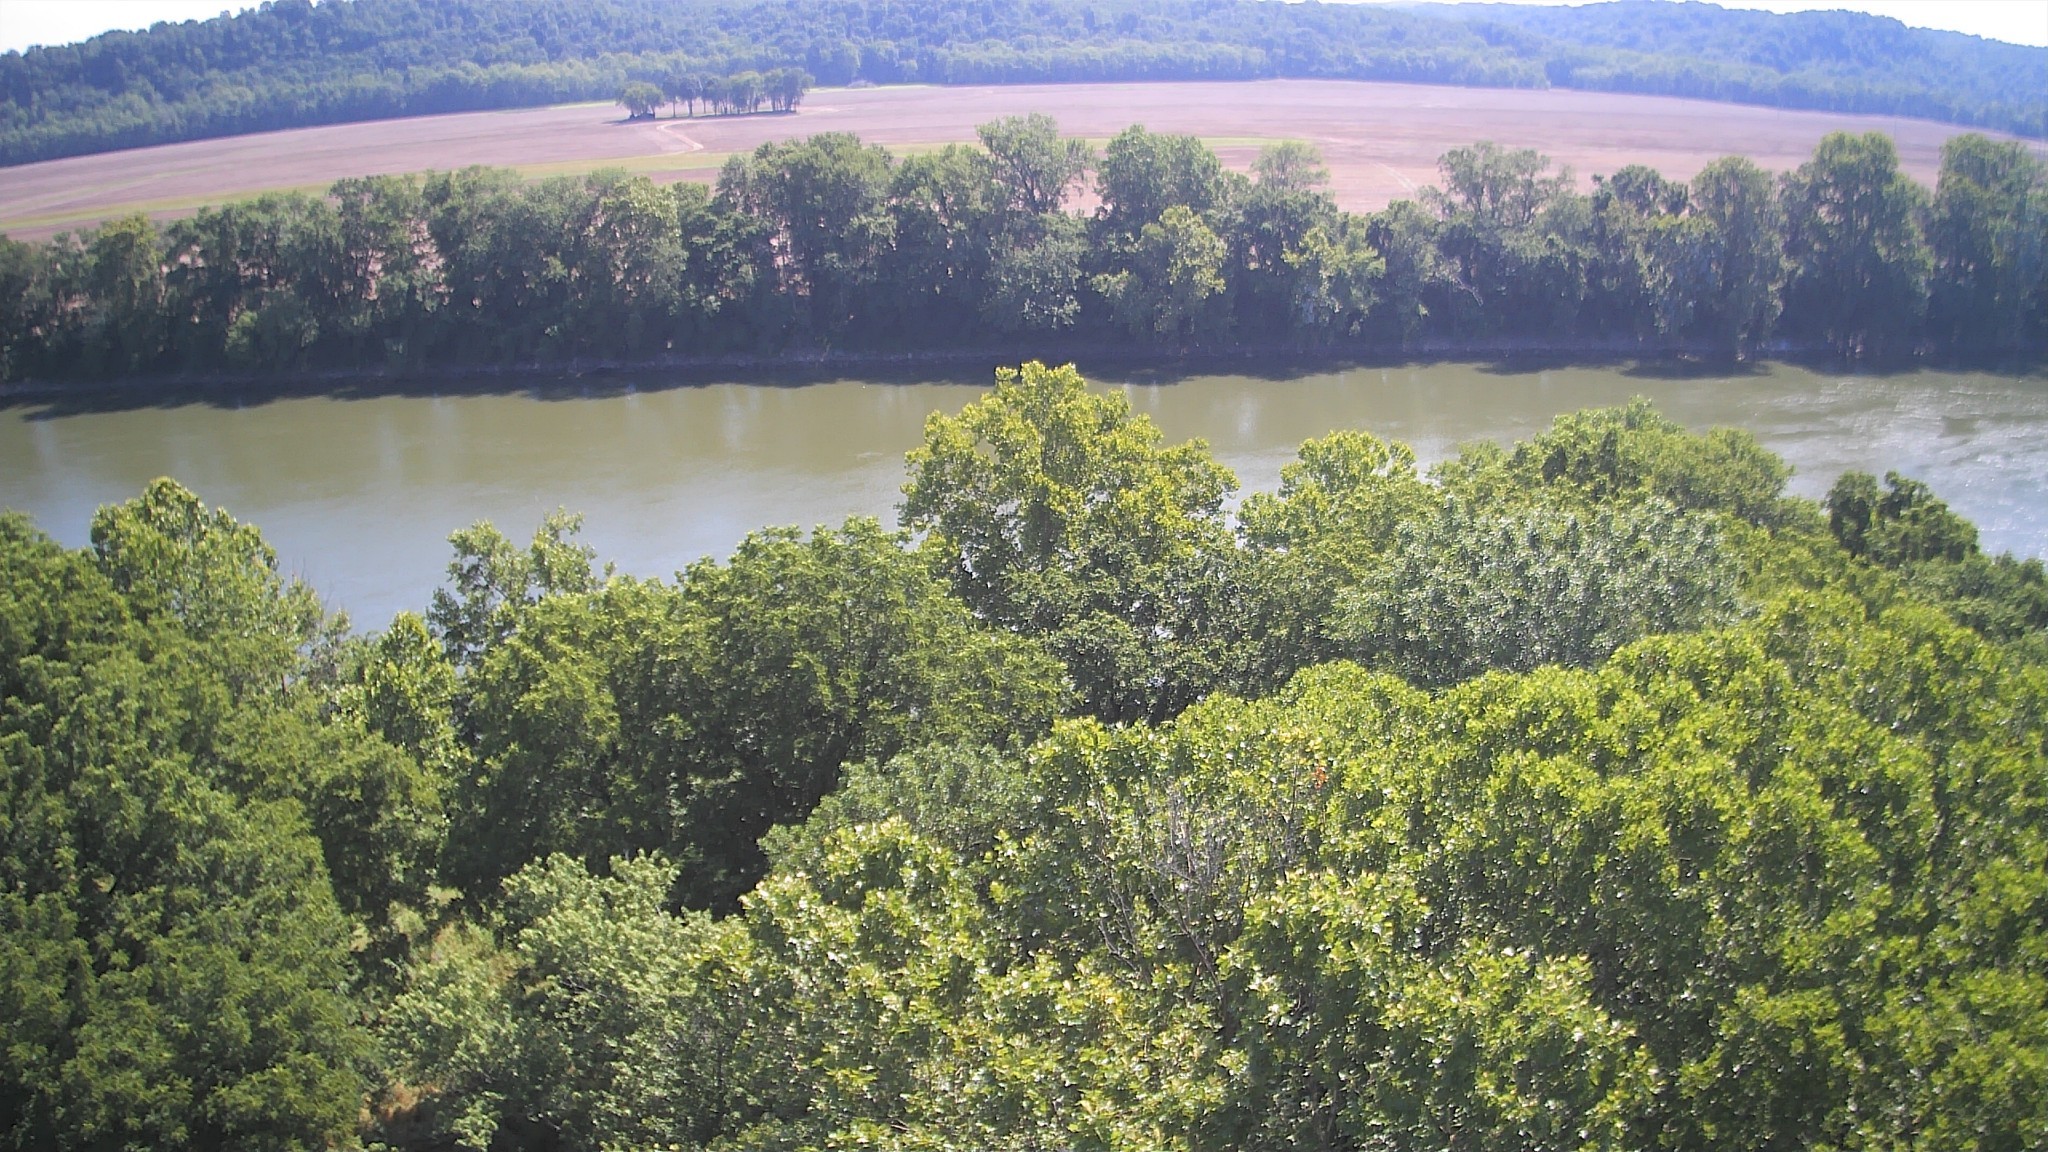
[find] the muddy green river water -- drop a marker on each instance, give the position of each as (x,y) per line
(358,495)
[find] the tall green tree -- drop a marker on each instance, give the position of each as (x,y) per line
(33,321)
(1033,163)
(824,201)
(510,262)
(1510,242)
(175,558)
(124,274)
(491,582)
(948,212)
(596,1021)
(1298,268)
(1142,174)
(173,964)
(1650,259)
(1854,238)
(1056,513)
(1333,523)
(1416,275)
(786,87)
(1622,456)
(387,286)
(636,267)
(1902,523)
(250,285)
(1035,276)
(1172,289)
(1739,308)
(1989,237)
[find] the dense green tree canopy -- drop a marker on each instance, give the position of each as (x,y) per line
(1739,300)
(1989,235)
(173,960)
(1860,263)
(1055,513)
(1582,793)
(826,244)
(690,719)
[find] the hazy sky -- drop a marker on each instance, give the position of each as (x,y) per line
(28,22)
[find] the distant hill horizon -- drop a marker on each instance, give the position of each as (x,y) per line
(293,63)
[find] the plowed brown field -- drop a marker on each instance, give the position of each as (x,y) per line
(1381,140)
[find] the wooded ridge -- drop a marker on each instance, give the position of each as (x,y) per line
(292,63)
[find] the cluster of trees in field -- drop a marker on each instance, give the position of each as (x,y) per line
(291,62)
(781,89)
(1584,793)
(826,243)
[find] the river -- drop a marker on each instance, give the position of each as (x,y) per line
(358,495)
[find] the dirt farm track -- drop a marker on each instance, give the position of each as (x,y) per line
(1381,140)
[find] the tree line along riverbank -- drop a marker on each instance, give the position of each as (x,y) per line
(1586,790)
(827,246)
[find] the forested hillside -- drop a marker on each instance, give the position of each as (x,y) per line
(1847,61)
(827,244)
(1581,793)
(294,63)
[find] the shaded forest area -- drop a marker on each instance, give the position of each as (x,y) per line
(826,244)
(292,63)
(1582,793)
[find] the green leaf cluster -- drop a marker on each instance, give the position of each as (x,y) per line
(184,847)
